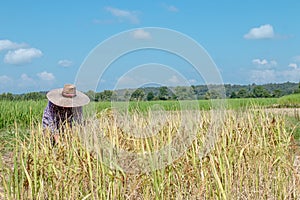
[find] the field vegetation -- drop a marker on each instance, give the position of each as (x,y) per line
(292,100)
(251,156)
(25,113)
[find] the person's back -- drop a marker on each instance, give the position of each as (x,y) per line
(64,107)
(56,117)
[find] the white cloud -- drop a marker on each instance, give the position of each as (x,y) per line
(31,83)
(192,81)
(293,65)
(266,74)
(119,13)
(5,82)
(5,79)
(296,58)
(264,63)
(263,32)
(7,45)
(260,62)
(272,76)
(21,56)
(292,75)
(124,15)
(26,81)
(273,63)
(177,80)
(174,79)
(141,34)
(263,76)
(65,63)
(25,77)
(46,76)
(171,8)
(127,81)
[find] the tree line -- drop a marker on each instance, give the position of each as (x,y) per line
(178,93)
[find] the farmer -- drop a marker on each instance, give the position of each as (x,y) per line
(64,107)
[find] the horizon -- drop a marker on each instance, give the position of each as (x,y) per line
(99,91)
(249,42)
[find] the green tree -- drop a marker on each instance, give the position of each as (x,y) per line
(185,93)
(260,92)
(150,96)
(33,96)
(277,93)
(127,95)
(91,94)
(233,95)
(106,95)
(114,96)
(7,96)
(163,93)
(212,94)
(242,93)
(298,89)
(137,95)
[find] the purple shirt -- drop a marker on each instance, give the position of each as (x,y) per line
(55,117)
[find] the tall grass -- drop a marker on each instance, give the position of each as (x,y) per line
(292,100)
(23,113)
(251,159)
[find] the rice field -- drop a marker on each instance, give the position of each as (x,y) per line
(25,113)
(241,153)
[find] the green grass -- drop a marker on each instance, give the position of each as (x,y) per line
(292,100)
(250,103)
(293,125)
(24,113)
(18,116)
(172,105)
(20,113)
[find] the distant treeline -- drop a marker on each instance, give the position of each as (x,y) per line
(178,93)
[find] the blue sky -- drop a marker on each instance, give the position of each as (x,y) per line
(44,43)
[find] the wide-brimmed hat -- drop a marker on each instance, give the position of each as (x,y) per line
(68,96)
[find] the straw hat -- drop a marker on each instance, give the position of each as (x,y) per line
(68,97)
